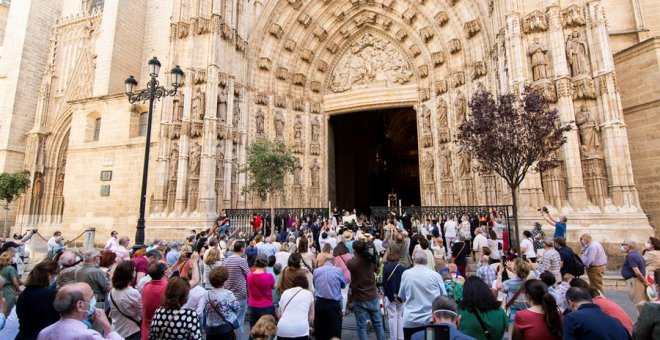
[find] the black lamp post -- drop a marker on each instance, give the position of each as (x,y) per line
(152,92)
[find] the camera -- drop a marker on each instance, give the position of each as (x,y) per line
(544,209)
(34,231)
(436,332)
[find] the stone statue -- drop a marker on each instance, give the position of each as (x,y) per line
(315,173)
(426,118)
(576,51)
(297,173)
(174,161)
(234,152)
(297,128)
(260,122)
(220,161)
(37,187)
(589,132)
(222,106)
(315,130)
(279,125)
(460,105)
(198,106)
(178,109)
(193,161)
(539,62)
(428,164)
(445,161)
(236,118)
(443,124)
(465,167)
(59,188)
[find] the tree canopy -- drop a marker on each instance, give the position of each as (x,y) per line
(267,164)
(13,185)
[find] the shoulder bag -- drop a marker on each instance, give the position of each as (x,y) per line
(453,260)
(291,299)
(515,296)
(112,299)
(483,325)
(233,328)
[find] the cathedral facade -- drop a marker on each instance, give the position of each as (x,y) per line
(280,70)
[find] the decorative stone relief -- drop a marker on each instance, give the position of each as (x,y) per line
(332,47)
(174,161)
(194,159)
(265,63)
(409,15)
(315,107)
(415,50)
(241,44)
(298,104)
(297,173)
(304,19)
(584,88)
(386,23)
(478,70)
(320,33)
(423,71)
(307,56)
(387,3)
(460,107)
(576,51)
(539,60)
(198,75)
(259,121)
(572,16)
(298,145)
(321,66)
(438,58)
(315,148)
(282,73)
(401,35)
(465,165)
(315,86)
(198,105)
(535,22)
(458,78)
(444,156)
(424,94)
(428,165)
(299,79)
(441,18)
(276,30)
(236,116)
(289,45)
(262,98)
(440,87)
(547,89)
(443,123)
(295,3)
(226,32)
(222,79)
(452,2)
(471,28)
(280,101)
(564,88)
(279,125)
(314,174)
(454,46)
(369,61)
(426,33)
(589,133)
(365,18)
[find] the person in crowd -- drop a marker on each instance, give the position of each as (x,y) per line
(450,229)
(173,255)
(513,288)
(237,268)
(69,263)
(634,272)
(211,261)
(112,241)
(559,224)
(107,262)
(527,247)
(366,304)
(170,320)
(608,306)
(459,253)
(152,294)
(479,242)
(556,291)
(439,253)
(296,307)
(8,319)
(652,255)
(550,261)
(485,271)
(92,274)
(588,321)
(221,307)
(34,307)
(260,285)
(325,251)
(152,256)
(12,281)
(289,273)
(594,259)
(452,286)
(328,237)
(423,245)
(125,302)
(142,262)
(55,244)
(121,249)
(480,311)
(566,255)
(538,235)
(400,246)
(444,312)
(495,248)
(76,302)
(342,256)
(265,329)
(308,262)
(329,281)
(648,322)
(542,320)
(197,291)
(419,286)
(282,255)
(392,273)
(267,248)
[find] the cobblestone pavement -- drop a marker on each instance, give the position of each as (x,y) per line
(620,297)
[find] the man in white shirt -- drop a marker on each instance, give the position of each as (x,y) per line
(267,248)
(479,242)
(121,249)
(112,241)
(55,244)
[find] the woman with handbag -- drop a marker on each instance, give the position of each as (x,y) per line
(296,305)
(392,272)
(171,320)
(221,307)
(459,253)
(514,288)
(125,302)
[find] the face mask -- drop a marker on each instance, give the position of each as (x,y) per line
(623,248)
(92,306)
(647,245)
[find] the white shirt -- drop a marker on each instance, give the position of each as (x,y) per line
(112,243)
(378,244)
(526,243)
(479,242)
(494,249)
(330,240)
(499,229)
(129,301)
(196,295)
(295,303)
(282,257)
(450,229)
(143,281)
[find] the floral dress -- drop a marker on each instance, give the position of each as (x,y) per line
(223,301)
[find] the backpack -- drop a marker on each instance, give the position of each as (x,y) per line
(577,268)
(435,231)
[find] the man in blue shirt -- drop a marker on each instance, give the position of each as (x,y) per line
(328,282)
(560,224)
(444,313)
(588,321)
(634,272)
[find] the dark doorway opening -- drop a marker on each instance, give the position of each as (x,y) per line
(373,153)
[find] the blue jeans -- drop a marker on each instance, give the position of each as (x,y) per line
(368,310)
(241,316)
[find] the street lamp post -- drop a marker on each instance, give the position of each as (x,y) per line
(152,92)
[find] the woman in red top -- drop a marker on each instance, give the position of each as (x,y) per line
(542,320)
(260,285)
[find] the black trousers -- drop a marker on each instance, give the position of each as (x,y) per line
(408,332)
(327,319)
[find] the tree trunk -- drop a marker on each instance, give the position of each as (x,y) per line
(514,198)
(6,232)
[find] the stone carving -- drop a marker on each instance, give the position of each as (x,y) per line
(539,62)
(564,88)
(440,87)
(438,58)
(426,33)
(458,78)
(576,51)
(236,117)
(401,35)
(296,4)
(428,164)
(178,108)
(298,104)
(297,128)
(465,166)
(460,107)
(280,101)
(304,19)
(478,70)
(289,45)
(535,22)
(193,161)
(423,71)
(315,86)
(547,89)
(198,105)
(222,105)
(584,88)
(370,60)
(307,56)
(454,46)
(282,73)
(415,50)
(265,63)
(409,15)
(594,173)
(472,27)
(262,98)
(444,156)
(365,18)
(276,31)
(222,79)
(441,18)
(320,33)
(198,75)
(386,23)
(572,16)
(299,79)
(321,66)
(220,161)
(426,119)
(332,47)
(260,122)
(443,123)
(315,173)
(315,107)
(589,133)
(315,148)
(279,125)
(297,173)
(424,93)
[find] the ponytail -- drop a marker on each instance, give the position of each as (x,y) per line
(552,315)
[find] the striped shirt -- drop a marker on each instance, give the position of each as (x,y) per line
(237,268)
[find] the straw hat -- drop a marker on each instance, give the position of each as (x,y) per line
(348,235)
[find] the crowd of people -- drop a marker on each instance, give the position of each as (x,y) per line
(301,281)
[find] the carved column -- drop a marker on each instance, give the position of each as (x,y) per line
(207,206)
(184,150)
(577,195)
(610,112)
(228,151)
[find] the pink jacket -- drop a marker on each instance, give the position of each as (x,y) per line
(340,262)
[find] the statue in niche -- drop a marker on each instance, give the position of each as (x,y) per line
(260,122)
(234,152)
(197,108)
(297,128)
(279,125)
(236,118)
(443,124)
(193,165)
(576,51)
(539,62)
(589,132)
(426,118)
(37,187)
(445,161)
(428,164)
(315,130)
(465,167)
(174,161)
(315,174)
(460,105)
(222,106)
(178,109)
(220,161)
(297,173)
(59,188)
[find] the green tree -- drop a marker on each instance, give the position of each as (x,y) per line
(510,136)
(12,185)
(267,164)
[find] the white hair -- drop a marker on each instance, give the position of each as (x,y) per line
(419,257)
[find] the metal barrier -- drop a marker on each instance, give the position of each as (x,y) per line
(243,218)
